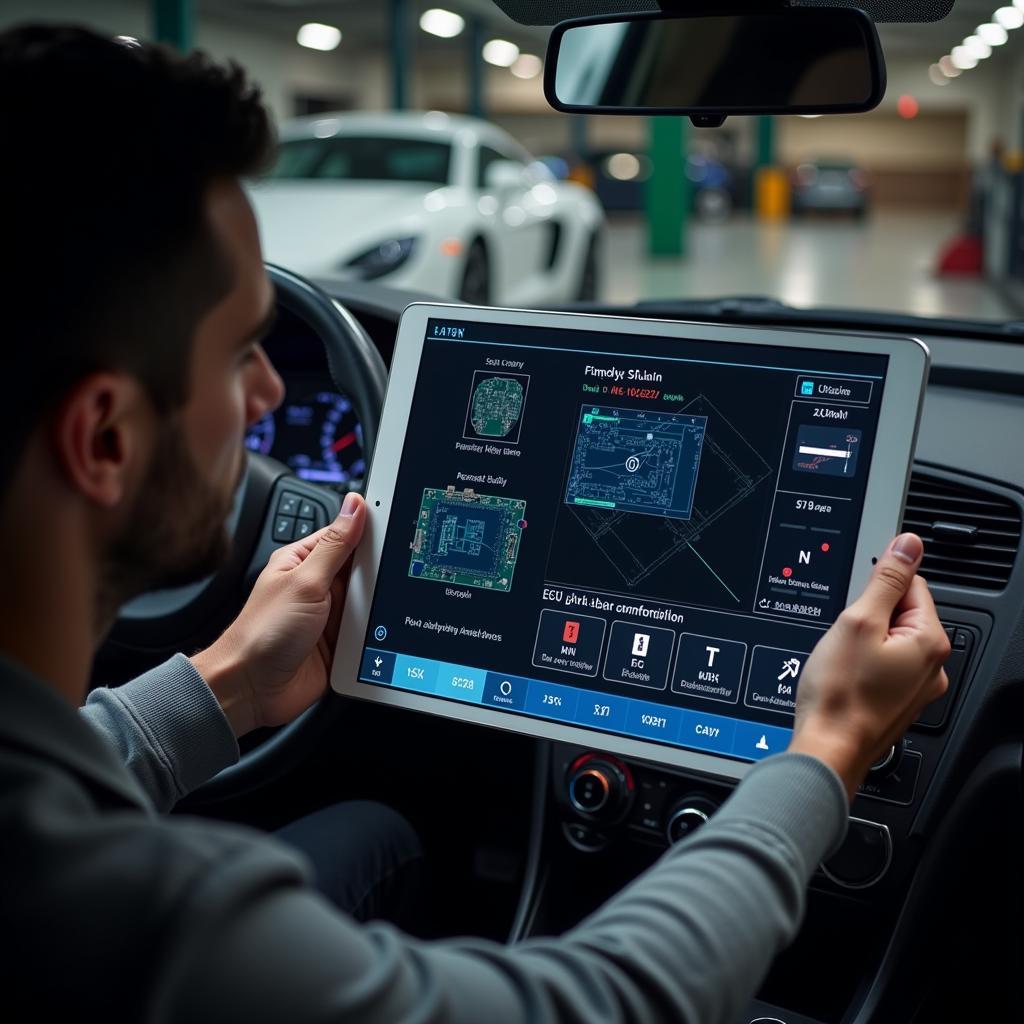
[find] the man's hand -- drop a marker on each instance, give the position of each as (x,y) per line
(275,659)
(875,669)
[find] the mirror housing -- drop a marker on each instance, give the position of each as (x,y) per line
(504,174)
(709,65)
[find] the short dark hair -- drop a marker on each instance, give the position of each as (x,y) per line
(109,147)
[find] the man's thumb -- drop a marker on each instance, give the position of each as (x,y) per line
(892,576)
(335,544)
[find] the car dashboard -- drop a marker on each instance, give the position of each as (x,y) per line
(926,875)
(315,432)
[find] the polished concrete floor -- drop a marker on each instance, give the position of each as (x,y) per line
(884,263)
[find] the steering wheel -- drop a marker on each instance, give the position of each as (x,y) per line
(187,618)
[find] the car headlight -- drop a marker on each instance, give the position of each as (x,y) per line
(383,258)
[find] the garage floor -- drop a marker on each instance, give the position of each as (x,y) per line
(884,263)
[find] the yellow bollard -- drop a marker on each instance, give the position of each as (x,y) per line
(771,193)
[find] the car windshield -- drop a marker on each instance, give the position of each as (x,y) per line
(364,158)
(914,208)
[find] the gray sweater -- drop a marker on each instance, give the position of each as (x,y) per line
(127,914)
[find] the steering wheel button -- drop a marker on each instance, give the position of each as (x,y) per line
(307,510)
(288,505)
(303,528)
(284,528)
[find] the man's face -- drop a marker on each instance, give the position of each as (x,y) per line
(176,532)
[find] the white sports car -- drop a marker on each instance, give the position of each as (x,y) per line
(444,204)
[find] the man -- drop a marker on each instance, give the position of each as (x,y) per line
(132,384)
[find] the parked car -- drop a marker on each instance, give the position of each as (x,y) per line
(830,186)
(430,202)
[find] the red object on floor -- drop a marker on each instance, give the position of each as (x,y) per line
(964,255)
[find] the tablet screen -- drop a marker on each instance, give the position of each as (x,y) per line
(643,536)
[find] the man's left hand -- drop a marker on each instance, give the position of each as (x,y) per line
(275,659)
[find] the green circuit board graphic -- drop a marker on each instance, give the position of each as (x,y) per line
(467,539)
(497,403)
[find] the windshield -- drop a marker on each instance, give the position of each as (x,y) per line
(915,208)
(364,158)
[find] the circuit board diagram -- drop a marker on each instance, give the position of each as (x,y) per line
(496,405)
(636,461)
(637,548)
(467,539)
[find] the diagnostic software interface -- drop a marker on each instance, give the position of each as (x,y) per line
(643,536)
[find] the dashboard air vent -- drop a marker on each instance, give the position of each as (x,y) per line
(971,536)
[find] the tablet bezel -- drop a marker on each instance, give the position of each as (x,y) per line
(891,462)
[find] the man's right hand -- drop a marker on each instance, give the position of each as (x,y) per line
(872,673)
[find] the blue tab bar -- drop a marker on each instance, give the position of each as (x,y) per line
(755,742)
(549,700)
(653,721)
(414,674)
(505,692)
(460,683)
(601,711)
(708,732)
(377,667)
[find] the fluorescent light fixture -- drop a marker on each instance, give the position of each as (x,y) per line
(439,22)
(978,46)
(527,65)
(315,36)
(501,53)
(937,75)
(1009,17)
(949,69)
(993,34)
(963,59)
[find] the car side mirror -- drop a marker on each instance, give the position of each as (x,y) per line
(505,174)
(793,60)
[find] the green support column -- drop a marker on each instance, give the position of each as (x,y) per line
(174,23)
(578,144)
(765,141)
(401,54)
(668,188)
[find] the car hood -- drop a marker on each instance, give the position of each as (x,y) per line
(315,227)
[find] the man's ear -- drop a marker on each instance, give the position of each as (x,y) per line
(101,431)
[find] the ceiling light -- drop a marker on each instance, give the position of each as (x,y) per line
(501,53)
(319,37)
(1009,17)
(949,69)
(994,35)
(978,46)
(439,22)
(937,75)
(623,167)
(527,65)
(963,59)
(1019,4)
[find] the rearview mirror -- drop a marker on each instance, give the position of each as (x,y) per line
(796,60)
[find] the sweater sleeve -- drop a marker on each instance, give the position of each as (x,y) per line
(168,729)
(688,941)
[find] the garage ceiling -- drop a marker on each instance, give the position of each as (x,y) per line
(367,25)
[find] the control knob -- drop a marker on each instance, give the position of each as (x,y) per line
(599,786)
(687,815)
(889,761)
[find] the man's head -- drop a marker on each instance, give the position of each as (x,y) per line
(134,294)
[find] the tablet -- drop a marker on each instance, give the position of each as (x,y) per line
(622,533)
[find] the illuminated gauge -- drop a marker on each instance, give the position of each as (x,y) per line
(260,436)
(328,439)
